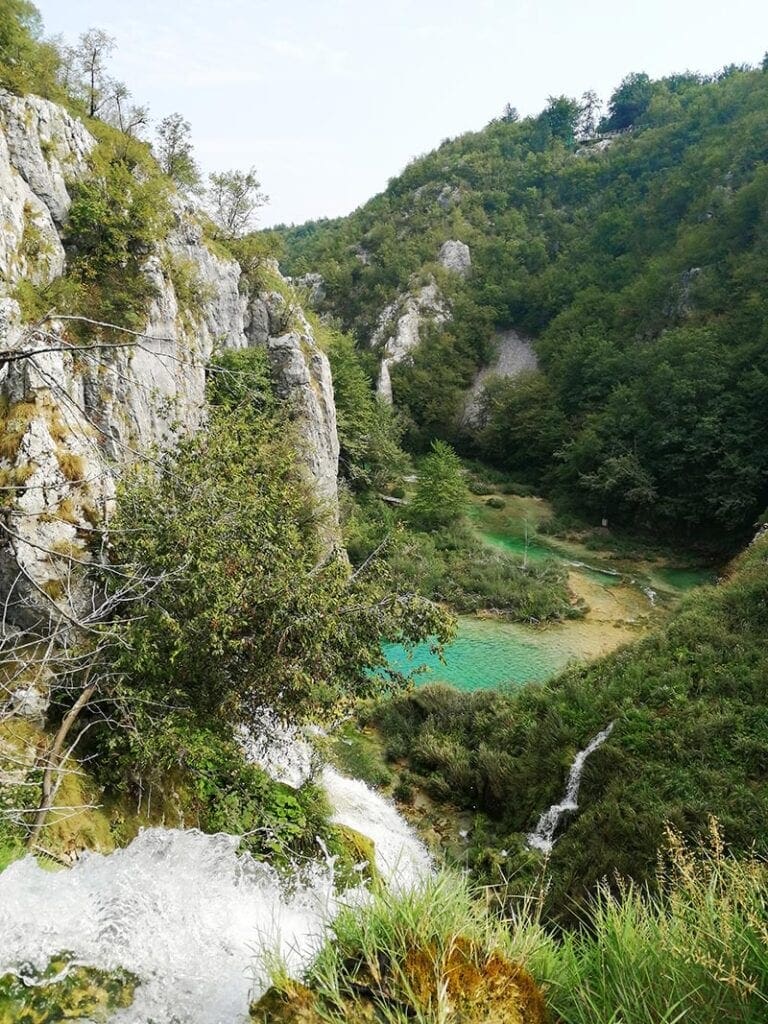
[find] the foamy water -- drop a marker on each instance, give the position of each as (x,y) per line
(544,836)
(197,922)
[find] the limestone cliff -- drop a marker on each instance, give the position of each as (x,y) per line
(72,418)
(514,355)
(398,331)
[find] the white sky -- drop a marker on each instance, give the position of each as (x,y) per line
(330,98)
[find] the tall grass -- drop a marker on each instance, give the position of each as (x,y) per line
(694,951)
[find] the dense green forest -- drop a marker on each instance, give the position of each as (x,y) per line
(637,263)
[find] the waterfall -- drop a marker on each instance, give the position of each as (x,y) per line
(544,837)
(284,752)
(198,923)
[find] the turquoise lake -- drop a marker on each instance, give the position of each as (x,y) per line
(488,654)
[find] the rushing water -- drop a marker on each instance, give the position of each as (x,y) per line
(197,922)
(543,838)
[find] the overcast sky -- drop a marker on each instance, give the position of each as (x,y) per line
(328,99)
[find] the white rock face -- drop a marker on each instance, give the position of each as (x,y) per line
(302,377)
(398,332)
(514,355)
(455,257)
(29,242)
(75,419)
(47,147)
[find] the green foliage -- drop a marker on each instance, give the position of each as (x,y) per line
(254,253)
(242,377)
(561,117)
(118,214)
(638,269)
(369,432)
(695,951)
(174,152)
(417,956)
(27,63)
(521,424)
(442,495)
(628,102)
(234,197)
(689,741)
(247,611)
(455,567)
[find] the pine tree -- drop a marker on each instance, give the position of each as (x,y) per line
(441,494)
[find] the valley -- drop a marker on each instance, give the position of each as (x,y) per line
(384,597)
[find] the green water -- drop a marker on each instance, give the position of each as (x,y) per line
(538,552)
(487,654)
(685,579)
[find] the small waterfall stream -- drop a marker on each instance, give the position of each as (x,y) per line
(544,836)
(197,922)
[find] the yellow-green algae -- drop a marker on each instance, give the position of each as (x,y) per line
(64,991)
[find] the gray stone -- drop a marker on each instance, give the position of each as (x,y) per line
(514,355)
(398,331)
(455,257)
(81,420)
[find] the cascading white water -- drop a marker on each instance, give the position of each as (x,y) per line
(544,837)
(284,753)
(196,922)
(181,910)
(400,857)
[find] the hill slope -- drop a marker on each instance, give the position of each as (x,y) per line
(636,262)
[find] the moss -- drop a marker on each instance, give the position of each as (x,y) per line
(356,855)
(54,588)
(292,1003)
(71,465)
(462,983)
(14,421)
(70,549)
(12,480)
(64,991)
(66,512)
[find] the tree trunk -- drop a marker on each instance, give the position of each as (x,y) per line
(53,761)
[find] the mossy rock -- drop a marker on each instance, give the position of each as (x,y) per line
(462,983)
(63,992)
(469,984)
(291,1003)
(496,502)
(356,855)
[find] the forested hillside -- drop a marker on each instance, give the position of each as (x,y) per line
(636,260)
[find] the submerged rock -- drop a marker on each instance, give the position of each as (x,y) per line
(64,991)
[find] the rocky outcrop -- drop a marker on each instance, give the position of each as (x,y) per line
(514,355)
(311,288)
(72,419)
(400,325)
(46,148)
(302,376)
(399,328)
(455,257)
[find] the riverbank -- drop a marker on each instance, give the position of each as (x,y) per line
(615,600)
